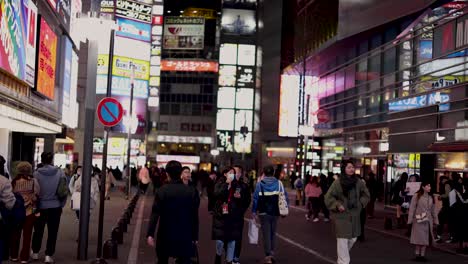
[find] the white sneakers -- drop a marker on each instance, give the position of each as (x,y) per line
(48,259)
(316,220)
(35,257)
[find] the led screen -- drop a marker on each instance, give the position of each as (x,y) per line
(289,106)
(224,119)
(244,118)
(226,97)
(228,54)
(238,22)
(246,55)
(244,98)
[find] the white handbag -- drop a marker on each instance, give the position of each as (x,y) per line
(282,203)
(75,201)
(253,232)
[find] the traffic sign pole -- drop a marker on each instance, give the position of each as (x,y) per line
(99,259)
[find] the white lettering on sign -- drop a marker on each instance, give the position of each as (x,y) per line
(131,29)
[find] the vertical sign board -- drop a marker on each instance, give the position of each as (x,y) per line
(155,59)
(66,75)
(46,61)
(31,37)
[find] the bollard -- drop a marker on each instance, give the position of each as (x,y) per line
(123,226)
(110,249)
(117,235)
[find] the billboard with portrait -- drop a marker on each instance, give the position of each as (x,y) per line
(238,22)
(184,33)
(242,4)
(45,84)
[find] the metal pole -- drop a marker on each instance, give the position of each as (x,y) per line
(90,109)
(102,195)
(129,171)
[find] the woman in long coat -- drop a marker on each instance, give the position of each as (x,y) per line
(422,216)
(227,215)
(345,200)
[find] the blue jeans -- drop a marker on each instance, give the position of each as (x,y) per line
(231,245)
(269,224)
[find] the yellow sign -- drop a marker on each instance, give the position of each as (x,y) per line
(102,64)
(116,146)
(200,12)
(123,67)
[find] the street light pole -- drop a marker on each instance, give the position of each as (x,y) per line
(129,136)
(99,259)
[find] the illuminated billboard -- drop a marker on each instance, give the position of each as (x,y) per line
(238,22)
(244,4)
(228,54)
(289,106)
(189,66)
(246,55)
(184,33)
(46,61)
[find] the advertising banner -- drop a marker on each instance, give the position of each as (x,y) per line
(245,76)
(190,66)
(46,61)
(31,37)
(134,30)
(103,64)
(121,86)
(122,68)
(64,11)
(238,22)
(242,4)
(107,8)
(184,33)
(289,106)
(12,37)
(66,73)
(133,10)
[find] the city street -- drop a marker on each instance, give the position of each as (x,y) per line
(299,241)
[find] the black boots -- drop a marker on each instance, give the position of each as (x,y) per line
(218,259)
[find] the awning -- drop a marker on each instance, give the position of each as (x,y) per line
(18,121)
(450,146)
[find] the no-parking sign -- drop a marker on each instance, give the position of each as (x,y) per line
(109,112)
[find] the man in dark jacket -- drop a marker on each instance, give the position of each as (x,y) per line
(244,195)
(50,207)
(176,208)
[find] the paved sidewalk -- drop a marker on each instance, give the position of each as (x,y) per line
(67,245)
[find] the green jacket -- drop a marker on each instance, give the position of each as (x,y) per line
(348,223)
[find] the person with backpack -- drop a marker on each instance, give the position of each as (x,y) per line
(52,198)
(7,202)
(28,188)
(422,215)
(299,186)
(268,203)
(345,199)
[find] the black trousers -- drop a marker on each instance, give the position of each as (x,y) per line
(363,222)
(51,218)
(238,248)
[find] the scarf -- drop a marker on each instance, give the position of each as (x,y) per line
(348,184)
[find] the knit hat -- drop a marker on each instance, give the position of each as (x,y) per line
(24,168)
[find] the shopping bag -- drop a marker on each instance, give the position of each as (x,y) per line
(76,201)
(253,232)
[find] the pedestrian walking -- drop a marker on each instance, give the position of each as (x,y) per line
(460,215)
(50,204)
(445,187)
(210,185)
(313,193)
(75,190)
(423,217)
(373,187)
(186,175)
(144,179)
(242,192)
(345,199)
(7,201)
(175,207)
(228,215)
(266,204)
(29,189)
(110,180)
(397,199)
(325,184)
(299,186)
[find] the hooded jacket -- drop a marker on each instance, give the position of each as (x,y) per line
(48,178)
(266,197)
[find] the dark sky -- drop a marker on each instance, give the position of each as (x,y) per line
(177,5)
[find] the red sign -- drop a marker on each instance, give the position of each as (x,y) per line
(46,61)
(323,116)
(189,66)
(157,20)
(109,111)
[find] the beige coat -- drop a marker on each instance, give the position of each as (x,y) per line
(422,233)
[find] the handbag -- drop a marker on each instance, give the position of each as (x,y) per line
(76,201)
(253,232)
(282,203)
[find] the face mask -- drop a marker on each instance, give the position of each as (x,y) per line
(231,176)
